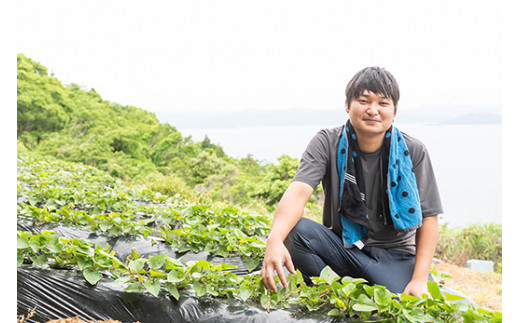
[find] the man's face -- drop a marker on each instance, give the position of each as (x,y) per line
(371,114)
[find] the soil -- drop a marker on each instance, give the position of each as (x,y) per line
(78,320)
(485,289)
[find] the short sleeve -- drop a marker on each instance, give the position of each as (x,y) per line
(313,163)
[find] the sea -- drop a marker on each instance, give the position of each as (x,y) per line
(467,160)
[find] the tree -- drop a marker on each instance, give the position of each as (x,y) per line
(276,180)
(42,103)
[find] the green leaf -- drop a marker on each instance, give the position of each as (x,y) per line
(83,262)
(172,288)
(135,255)
(121,280)
(204,265)
(245,292)
(364,308)
(349,288)
(397,305)
(175,276)
(369,290)
(382,297)
(156,262)
(453,297)
(339,303)
(19,260)
(155,273)
(83,247)
(408,298)
(460,306)
(40,260)
(353,280)
(136,265)
(264,301)
(251,264)
(51,204)
(199,289)
(481,310)
(92,276)
(173,262)
(334,312)
(22,243)
(35,246)
(104,226)
(184,247)
(328,275)
(114,230)
(134,287)
(364,304)
(211,290)
(435,291)
(154,287)
(225,266)
(416,315)
(55,247)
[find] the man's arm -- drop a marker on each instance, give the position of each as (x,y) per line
(289,211)
(426,240)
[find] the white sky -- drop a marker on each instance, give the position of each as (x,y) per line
(231,55)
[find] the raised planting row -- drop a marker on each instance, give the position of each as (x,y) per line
(335,296)
(52,191)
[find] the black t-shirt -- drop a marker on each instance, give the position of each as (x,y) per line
(318,164)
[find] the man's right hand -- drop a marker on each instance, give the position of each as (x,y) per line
(276,254)
(288,212)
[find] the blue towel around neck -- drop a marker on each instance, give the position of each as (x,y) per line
(402,201)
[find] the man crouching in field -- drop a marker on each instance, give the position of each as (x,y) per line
(381,198)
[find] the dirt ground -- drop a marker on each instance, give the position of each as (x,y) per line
(485,289)
(78,320)
(23,319)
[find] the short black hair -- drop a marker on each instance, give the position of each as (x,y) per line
(374,79)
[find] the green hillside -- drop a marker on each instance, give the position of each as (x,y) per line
(77,125)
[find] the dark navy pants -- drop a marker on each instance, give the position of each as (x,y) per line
(313,246)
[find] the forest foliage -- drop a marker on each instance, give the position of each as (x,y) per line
(77,125)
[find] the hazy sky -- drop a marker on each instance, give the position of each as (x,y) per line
(231,55)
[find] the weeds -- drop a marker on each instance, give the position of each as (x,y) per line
(24,318)
(477,241)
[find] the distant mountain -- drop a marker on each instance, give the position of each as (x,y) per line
(253,118)
(451,115)
(304,117)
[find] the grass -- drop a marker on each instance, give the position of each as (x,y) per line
(477,241)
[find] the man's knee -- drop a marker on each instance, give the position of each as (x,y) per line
(301,233)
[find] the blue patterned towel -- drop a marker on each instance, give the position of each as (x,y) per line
(402,202)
